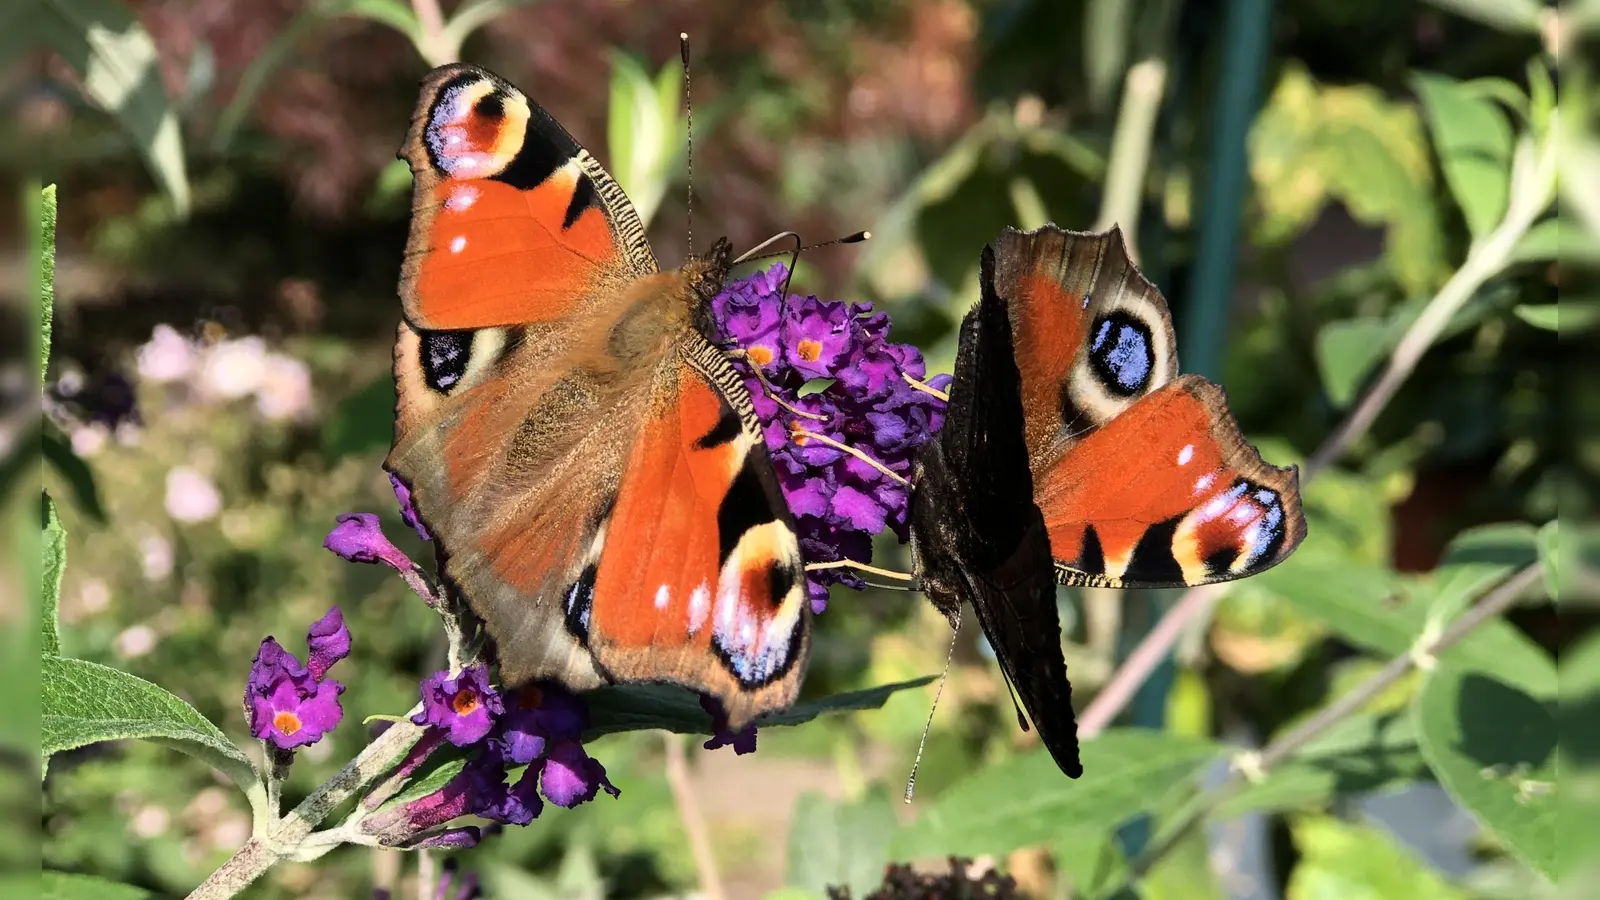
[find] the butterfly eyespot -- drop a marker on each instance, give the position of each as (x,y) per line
(1122,353)
(445,355)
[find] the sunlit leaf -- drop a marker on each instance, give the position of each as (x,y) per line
(74,886)
(1492,745)
(55,564)
(1346,352)
(1557,238)
(83,703)
(117,61)
(1473,140)
(1504,15)
(1358,862)
(1025,800)
(1569,316)
(840,844)
(1477,560)
(1365,752)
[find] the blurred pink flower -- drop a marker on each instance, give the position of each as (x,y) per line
(285,389)
(234,369)
(135,641)
(87,440)
(191,497)
(167,356)
(156,557)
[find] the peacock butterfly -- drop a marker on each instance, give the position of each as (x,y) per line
(586,457)
(1075,453)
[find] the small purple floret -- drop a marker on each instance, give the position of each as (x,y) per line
(465,706)
(359,538)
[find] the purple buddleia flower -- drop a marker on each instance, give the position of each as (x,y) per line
(408,510)
(290,705)
(839,497)
(464,706)
(571,776)
(358,538)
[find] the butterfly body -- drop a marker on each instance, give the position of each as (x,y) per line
(587,459)
(1138,476)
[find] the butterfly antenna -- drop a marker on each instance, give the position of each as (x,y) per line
(911,781)
(688,138)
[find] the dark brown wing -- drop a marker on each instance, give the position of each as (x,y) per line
(977,535)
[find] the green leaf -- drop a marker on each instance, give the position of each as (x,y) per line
(639,707)
(55,565)
(1475,561)
(815,386)
(115,57)
(1366,752)
(1572,314)
(84,702)
(1025,800)
(643,135)
(1556,238)
(1492,744)
(72,886)
(1473,140)
(1346,352)
(1358,862)
(840,844)
(1555,558)
(1578,753)
(1373,609)
(73,470)
(1503,15)
(44,274)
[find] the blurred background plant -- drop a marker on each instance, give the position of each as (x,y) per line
(1362,213)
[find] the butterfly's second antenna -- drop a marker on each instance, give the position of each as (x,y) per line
(688,128)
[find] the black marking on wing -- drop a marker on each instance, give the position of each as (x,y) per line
(1092,558)
(746,505)
(444,357)
(1152,559)
(1122,353)
(579,602)
(583,197)
(728,427)
(546,147)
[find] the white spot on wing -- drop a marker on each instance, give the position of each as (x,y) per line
(1204,482)
(662,596)
(699,606)
(458,243)
(1186,454)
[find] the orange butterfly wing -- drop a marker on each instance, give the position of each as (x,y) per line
(1143,476)
(513,222)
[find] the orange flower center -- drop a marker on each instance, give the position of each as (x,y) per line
(465,702)
(759,355)
(809,350)
(286,722)
(797,433)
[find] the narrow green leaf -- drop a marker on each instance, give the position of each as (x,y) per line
(815,386)
(1366,752)
(1358,862)
(55,565)
(43,228)
(639,707)
(1025,800)
(1570,315)
(1346,352)
(840,844)
(1492,745)
(1503,15)
(1473,140)
(72,886)
(108,48)
(84,703)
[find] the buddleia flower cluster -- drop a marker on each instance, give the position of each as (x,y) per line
(843,410)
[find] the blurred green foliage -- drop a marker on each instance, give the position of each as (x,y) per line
(230,226)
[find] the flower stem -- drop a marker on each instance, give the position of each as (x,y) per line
(852,564)
(1252,767)
(822,438)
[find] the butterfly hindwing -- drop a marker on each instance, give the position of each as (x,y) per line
(1143,476)
(577,448)
(977,535)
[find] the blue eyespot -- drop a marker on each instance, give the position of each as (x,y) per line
(1121,353)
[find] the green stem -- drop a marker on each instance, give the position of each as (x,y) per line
(1129,162)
